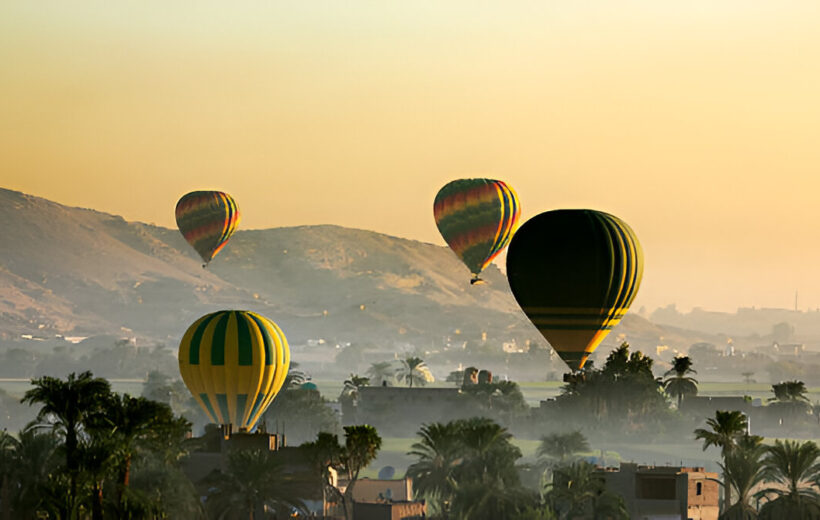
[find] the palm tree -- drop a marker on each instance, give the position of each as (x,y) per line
(560,446)
(726,428)
(8,465)
(578,492)
(252,480)
(794,466)
(492,501)
(790,392)
(414,370)
(381,372)
(439,455)
(97,455)
(131,421)
(680,385)
(489,455)
(743,471)
(66,407)
(36,471)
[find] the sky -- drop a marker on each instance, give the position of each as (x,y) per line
(695,122)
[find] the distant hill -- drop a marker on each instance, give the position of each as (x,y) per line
(79,272)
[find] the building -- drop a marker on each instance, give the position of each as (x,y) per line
(386,500)
(665,492)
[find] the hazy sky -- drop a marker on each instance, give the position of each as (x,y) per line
(697,122)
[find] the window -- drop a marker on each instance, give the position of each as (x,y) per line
(699,490)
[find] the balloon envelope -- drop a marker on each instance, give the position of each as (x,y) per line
(207,219)
(234,363)
(476,217)
(574,273)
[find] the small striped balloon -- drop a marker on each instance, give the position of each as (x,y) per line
(476,217)
(207,219)
(575,273)
(234,363)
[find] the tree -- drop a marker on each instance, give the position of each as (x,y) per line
(794,466)
(381,372)
(477,501)
(252,480)
(747,377)
(457,459)
(623,392)
(560,446)
(680,385)
(413,370)
(362,444)
(578,492)
(39,484)
(725,429)
(131,422)
(439,453)
(8,465)
(743,471)
(66,407)
(790,392)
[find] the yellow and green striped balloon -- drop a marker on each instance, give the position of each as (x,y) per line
(575,273)
(234,363)
(476,217)
(207,219)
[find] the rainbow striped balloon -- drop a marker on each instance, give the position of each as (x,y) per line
(234,363)
(476,217)
(207,219)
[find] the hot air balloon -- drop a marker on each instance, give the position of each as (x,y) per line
(234,363)
(207,219)
(574,273)
(476,217)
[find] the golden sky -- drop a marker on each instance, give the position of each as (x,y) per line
(697,122)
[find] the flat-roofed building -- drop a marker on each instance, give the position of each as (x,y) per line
(665,492)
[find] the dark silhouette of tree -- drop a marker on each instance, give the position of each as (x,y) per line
(724,431)
(439,454)
(680,385)
(131,423)
(623,392)
(41,486)
(578,492)
(457,459)
(252,480)
(743,471)
(362,444)
(66,407)
(790,392)
(794,466)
